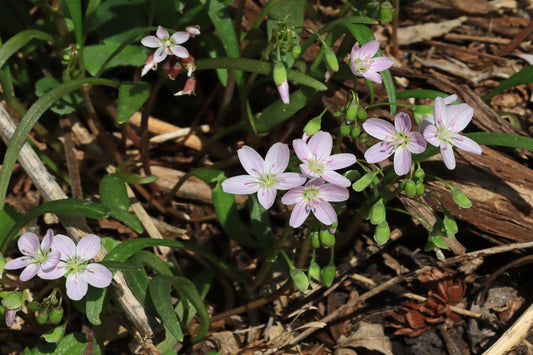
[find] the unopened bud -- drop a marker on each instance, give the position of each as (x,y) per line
(315,239)
(460,198)
(351,111)
(410,188)
(419,173)
(55,315)
(279,74)
(356,131)
(382,233)
(386,13)
(450,224)
(296,50)
(363,182)
(362,114)
(345,129)
(327,275)
(331,60)
(193,30)
(420,188)
(313,125)
(314,271)
(300,280)
(33,306)
(190,85)
(378,212)
(326,238)
(42,317)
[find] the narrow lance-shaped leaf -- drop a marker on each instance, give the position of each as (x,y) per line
(15,43)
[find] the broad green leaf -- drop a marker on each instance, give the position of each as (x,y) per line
(290,10)
(67,104)
(127,218)
(278,112)
(131,96)
(138,280)
(100,57)
(185,287)
(113,193)
(258,66)
(524,76)
(94,303)
(55,335)
(30,118)
(227,213)
(202,283)
(160,288)
(74,8)
(15,43)
(73,343)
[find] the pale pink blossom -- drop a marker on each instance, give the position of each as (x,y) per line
(167,44)
(443,132)
(264,176)
(283,90)
(395,139)
(314,197)
(363,63)
(317,160)
(37,259)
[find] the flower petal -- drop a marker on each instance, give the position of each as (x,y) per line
(88,247)
(76,287)
(29,272)
(325,213)
(98,275)
(449,99)
(402,122)
(18,263)
(162,32)
(288,181)
(417,143)
(335,178)
(379,152)
(180,37)
(373,76)
(334,193)
(402,161)
(301,149)
(380,129)
(293,196)
(51,260)
(381,64)
(340,161)
(355,54)
(46,244)
(447,155)
(320,144)
(283,91)
(466,144)
(299,214)
(64,245)
(431,135)
(151,42)
(277,158)
(241,185)
(266,196)
(28,244)
(179,51)
(55,273)
(369,49)
(251,161)
(439,111)
(160,54)
(458,116)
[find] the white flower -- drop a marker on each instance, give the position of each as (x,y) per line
(167,44)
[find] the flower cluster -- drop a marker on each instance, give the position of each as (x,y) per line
(440,129)
(267,176)
(58,256)
(167,45)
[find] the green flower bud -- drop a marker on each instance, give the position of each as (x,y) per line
(352,175)
(13,300)
(313,125)
(362,114)
(300,280)
(327,239)
(42,317)
(331,60)
(386,13)
(435,241)
(315,239)
(420,173)
(296,51)
(363,182)
(410,188)
(460,198)
(345,129)
(56,314)
(382,233)
(327,275)
(420,188)
(356,131)
(450,224)
(34,306)
(351,111)
(377,212)
(314,271)
(279,74)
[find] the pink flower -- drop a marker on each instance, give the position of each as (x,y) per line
(167,44)
(75,265)
(283,90)
(449,120)
(264,176)
(149,64)
(189,87)
(397,139)
(314,197)
(318,161)
(37,259)
(362,63)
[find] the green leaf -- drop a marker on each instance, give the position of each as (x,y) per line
(30,118)
(228,216)
(278,112)
(15,43)
(211,44)
(131,178)
(207,175)
(67,104)
(8,219)
(502,140)
(94,303)
(261,223)
(74,8)
(291,10)
(73,343)
(127,218)
(160,288)
(524,76)
(260,67)
(138,280)
(185,287)
(55,335)
(109,55)
(113,193)
(131,96)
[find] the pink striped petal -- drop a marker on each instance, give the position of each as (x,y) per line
(325,213)
(98,275)
(288,181)
(369,49)
(180,37)
(151,42)
(417,144)
(242,185)
(402,122)
(18,263)
(76,287)
(340,161)
(381,64)
(293,196)
(458,116)
(447,155)
(431,134)
(466,144)
(380,129)
(28,244)
(179,51)
(64,245)
(251,160)
(335,178)
(266,196)
(402,161)
(333,193)
(373,76)
(162,32)
(29,272)
(277,158)
(379,152)
(320,144)
(301,149)
(299,214)
(88,247)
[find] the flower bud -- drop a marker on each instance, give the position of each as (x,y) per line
(313,125)
(300,280)
(419,173)
(296,51)
(345,129)
(331,60)
(351,111)
(386,12)
(55,315)
(314,271)
(33,306)
(42,317)
(279,74)
(450,224)
(190,85)
(326,238)
(377,212)
(382,233)
(362,114)
(460,198)
(356,131)
(410,188)
(363,182)
(315,239)
(327,275)
(420,188)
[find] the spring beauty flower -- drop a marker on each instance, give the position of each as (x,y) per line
(279,74)
(449,120)
(314,197)
(37,259)
(167,44)
(75,265)
(397,139)
(317,160)
(264,176)
(362,63)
